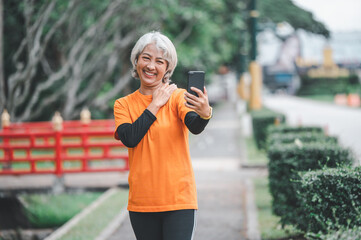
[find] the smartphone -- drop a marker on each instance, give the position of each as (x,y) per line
(195,79)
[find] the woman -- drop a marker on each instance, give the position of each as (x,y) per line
(153,122)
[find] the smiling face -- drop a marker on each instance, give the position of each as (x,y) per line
(151,66)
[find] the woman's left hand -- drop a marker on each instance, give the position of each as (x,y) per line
(199,104)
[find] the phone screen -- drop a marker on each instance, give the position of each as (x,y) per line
(195,79)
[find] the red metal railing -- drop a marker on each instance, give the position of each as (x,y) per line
(33,148)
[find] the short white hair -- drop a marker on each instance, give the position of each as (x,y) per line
(163,43)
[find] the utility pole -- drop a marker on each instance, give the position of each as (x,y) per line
(243,87)
(255,70)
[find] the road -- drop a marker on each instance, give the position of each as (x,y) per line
(341,121)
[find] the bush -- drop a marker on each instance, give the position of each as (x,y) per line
(330,199)
(283,128)
(287,159)
(47,211)
(261,120)
(327,86)
(300,137)
(344,234)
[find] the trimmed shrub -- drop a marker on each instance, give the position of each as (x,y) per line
(261,120)
(300,137)
(330,199)
(327,86)
(283,128)
(286,160)
(343,234)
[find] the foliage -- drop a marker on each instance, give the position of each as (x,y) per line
(344,234)
(65,55)
(261,120)
(81,49)
(46,211)
(278,11)
(299,137)
(330,199)
(285,129)
(206,33)
(329,86)
(288,159)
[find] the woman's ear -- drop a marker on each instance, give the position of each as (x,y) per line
(166,77)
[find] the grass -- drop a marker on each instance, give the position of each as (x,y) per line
(47,211)
(268,222)
(254,155)
(322,98)
(95,222)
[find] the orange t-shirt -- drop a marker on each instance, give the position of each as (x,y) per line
(161,176)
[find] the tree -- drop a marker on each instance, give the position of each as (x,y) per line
(277,11)
(73,53)
(68,54)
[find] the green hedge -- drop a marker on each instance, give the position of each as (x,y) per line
(283,128)
(286,160)
(328,86)
(329,199)
(343,234)
(301,137)
(261,120)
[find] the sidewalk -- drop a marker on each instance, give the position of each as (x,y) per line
(222,186)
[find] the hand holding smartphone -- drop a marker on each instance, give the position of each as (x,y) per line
(195,79)
(201,104)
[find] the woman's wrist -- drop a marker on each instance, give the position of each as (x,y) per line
(153,108)
(209,116)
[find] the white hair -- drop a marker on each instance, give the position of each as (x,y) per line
(163,43)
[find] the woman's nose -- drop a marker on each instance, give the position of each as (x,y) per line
(150,65)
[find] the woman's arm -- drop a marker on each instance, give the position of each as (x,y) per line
(195,123)
(132,133)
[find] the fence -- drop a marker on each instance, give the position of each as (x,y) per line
(59,147)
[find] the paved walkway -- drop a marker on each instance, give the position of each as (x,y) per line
(221,183)
(343,122)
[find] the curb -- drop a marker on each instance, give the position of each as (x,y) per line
(251,212)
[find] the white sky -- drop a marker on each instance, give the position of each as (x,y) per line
(337,15)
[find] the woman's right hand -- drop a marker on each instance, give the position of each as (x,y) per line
(161,97)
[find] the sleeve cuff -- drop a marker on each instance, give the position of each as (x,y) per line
(150,115)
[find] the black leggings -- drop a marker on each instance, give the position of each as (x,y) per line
(172,225)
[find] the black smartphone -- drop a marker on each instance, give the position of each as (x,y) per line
(195,79)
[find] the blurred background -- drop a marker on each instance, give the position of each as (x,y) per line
(67,55)
(264,61)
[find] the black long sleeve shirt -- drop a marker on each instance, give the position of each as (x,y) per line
(132,133)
